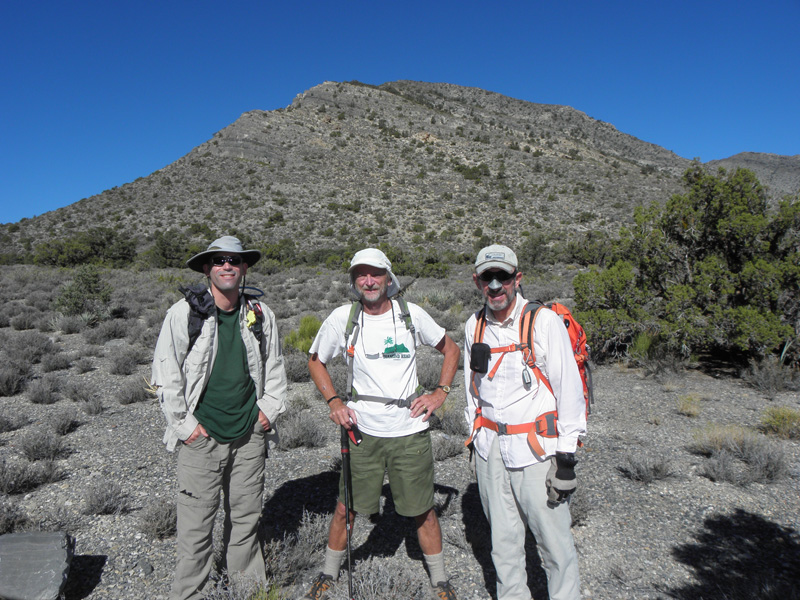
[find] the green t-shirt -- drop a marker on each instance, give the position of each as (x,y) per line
(227,408)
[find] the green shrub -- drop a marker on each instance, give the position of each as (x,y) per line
(86,293)
(302,337)
(99,245)
(712,271)
(781,421)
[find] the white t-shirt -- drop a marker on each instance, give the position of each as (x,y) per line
(384,363)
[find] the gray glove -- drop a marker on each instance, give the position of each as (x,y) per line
(561,480)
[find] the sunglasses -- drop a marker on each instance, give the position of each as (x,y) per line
(234,261)
(501,276)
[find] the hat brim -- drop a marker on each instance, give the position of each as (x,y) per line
(196,263)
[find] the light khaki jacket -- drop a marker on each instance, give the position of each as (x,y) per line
(181,379)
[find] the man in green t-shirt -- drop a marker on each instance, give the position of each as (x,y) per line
(221,390)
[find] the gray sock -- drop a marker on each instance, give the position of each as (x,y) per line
(435,564)
(333,562)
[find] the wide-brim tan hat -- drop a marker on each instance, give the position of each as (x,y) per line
(227,244)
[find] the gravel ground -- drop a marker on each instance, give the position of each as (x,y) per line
(681,537)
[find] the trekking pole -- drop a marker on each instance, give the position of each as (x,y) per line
(348,434)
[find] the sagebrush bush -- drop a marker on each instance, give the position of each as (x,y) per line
(77,391)
(8,422)
(451,418)
(41,444)
(106,331)
(20,478)
(93,406)
(132,393)
(106,498)
(124,361)
(56,362)
(44,390)
(296,365)
(646,469)
(445,446)
(378,578)
(29,347)
(301,429)
(763,460)
(12,380)
(84,365)
(768,376)
(11,517)
(159,519)
(296,552)
(429,368)
(64,422)
(23,321)
(69,324)
(781,421)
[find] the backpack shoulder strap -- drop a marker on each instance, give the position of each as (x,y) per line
(526,322)
(405,314)
(257,326)
(480,325)
(201,306)
(350,345)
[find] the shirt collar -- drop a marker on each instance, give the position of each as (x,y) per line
(512,318)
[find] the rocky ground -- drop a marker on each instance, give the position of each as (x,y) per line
(683,536)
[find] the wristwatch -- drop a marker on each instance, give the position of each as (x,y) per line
(446,388)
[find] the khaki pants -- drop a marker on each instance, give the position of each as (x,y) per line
(206,468)
(511,498)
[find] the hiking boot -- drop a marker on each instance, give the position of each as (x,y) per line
(444,591)
(320,586)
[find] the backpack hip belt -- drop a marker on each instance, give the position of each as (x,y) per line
(401,402)
(545,425)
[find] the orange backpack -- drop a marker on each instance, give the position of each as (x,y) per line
(577,338)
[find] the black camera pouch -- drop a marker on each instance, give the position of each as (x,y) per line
(479,357)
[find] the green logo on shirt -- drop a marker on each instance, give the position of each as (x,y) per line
(393,350)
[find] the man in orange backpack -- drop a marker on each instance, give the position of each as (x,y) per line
(526,407)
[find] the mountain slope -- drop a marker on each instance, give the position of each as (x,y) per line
(429,165)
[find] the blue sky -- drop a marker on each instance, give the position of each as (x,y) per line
(96,94)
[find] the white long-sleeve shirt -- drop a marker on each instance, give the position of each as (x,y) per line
(506,398)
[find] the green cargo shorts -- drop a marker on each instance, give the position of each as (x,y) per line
(409,463)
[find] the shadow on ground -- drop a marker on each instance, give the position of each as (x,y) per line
(85,573)
(741,556)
